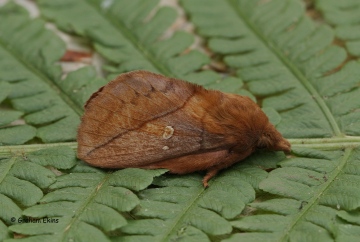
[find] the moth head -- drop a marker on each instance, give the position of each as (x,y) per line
(246,124)
(271,139)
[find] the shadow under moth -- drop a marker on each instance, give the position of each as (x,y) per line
(146,120)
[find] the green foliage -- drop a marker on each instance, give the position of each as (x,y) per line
(308,190)
(85,203)
(23,178)
(271,51)
(31,80)
(184,209)
(282,56)
(123,36)
(344,16)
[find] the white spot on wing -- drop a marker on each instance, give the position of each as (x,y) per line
(168,132)
(165,147)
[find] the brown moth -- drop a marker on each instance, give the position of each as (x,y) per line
(150,121)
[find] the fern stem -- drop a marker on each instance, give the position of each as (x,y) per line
(327,143)
(14,149)
(296,72)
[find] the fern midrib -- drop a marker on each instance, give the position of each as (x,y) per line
(78,110)
(177,221)
(294,70)
(132,38)
(335,143)
(75,219)
(6,151)
(314,201)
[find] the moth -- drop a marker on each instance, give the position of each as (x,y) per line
(146,120)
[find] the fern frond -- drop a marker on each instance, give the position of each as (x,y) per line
(118,31)
(182,209)
(23,178)
(4,232)
(282,55)
(86,204)
(9,209)
(288,62)
(124,34)
(351,231)
(31,80)
(344,15)
(309,191)
(348,232)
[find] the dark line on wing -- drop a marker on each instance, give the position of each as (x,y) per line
(117,111)
(139,151)
(145,122)
(143,131)
(161,159)
(86,131)
(157,125)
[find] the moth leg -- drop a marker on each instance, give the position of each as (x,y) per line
(229,160)
(210,173)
